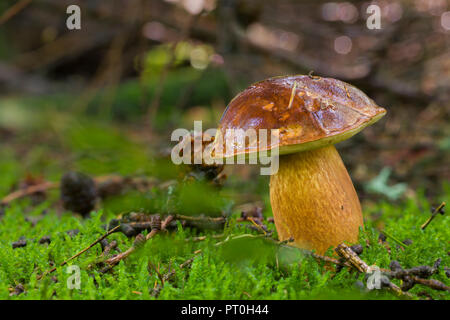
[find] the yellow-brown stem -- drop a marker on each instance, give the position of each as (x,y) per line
(314,201)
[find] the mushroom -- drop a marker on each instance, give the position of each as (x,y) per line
(312,196)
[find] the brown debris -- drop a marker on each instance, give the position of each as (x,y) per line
(22,242)
(352,258)
(19,289)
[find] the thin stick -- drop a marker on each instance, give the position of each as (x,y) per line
(108,248)
(28,191)
(433,215)
(395,239)
(116,259)
(13,10)
(350,256)
(195,218)
(259,226)
(166,222)
(52,185)
(82,251)
(431,283)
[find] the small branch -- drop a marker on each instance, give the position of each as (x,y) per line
(327,259)
(108,248)
(199,218)
(28,191)
(82,251)
(416,275)
(166,222)
(433,215)
(139,241)
(431,283)
(395,239)
(255,221)
(137,183)
(351,257)
(259,225)
(15,9)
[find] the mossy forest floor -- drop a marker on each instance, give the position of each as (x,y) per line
(43,146)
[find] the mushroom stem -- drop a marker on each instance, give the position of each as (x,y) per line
(314,201)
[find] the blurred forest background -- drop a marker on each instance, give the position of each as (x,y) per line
(104,99)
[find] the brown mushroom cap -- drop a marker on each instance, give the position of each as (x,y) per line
(309,111)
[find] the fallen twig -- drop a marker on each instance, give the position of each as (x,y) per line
(28,191)
(81,252)
(435,212)
(108,248)
(199,218)
(431,283)
(115,183)
(395,239)
(351,257)
(140,240)
(13,10)
(416,275)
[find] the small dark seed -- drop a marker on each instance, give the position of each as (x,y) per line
(45,239)
(357,248)
(113,223)
(407,284)
(104,243)
(395,265)
(447,272)
(437,263)
(78,193)
(382,237)
(22,242)
(422,271)
(127,230)
(407,242)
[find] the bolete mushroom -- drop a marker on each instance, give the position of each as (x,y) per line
(312,196)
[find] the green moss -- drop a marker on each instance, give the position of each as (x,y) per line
(240,269)
(245,268)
